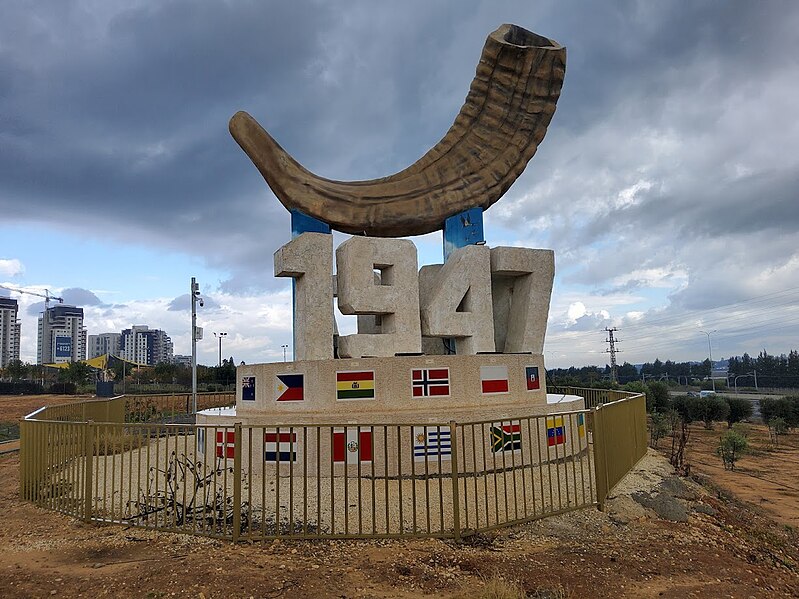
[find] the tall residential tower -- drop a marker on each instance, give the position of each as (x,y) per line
(62,336)
(9,331)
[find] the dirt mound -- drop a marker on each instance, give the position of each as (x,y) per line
(628,551)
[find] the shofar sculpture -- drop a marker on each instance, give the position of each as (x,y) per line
(506,114)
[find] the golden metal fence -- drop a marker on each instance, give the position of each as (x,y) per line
(236,482)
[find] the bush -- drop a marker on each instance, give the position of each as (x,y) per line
(634,387)
(657,396)
(731,447)
(740,409)
(62,388)
(776,427)
(660,425)
(20,388)
(786,408)
(708,386)
(707,409)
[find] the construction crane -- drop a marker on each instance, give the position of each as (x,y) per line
(46,295)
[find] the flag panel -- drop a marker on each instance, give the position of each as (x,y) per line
(494,379)
(225,444)
(290,387)
(430,442)
(248,388)
(352,445)
(555,431)
(355,384)
(505,437)
(280,447)
(430,382)
(531,374)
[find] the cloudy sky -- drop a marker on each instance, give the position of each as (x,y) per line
(666,185)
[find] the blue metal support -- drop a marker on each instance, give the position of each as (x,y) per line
(463,229)
(301,223)
(460,230)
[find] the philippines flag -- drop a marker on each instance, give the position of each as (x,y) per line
(225,443)
(494,379)
(289,387)
(351,445)
(280,447)
(429,382)
(430,442)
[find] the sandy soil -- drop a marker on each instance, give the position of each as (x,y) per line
(660,536)
(767,477)
(14,407)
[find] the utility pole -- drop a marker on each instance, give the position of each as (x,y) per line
(612,351)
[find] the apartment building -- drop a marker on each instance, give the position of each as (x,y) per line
(143,345)
(9,331)
(61,335)
(104,343)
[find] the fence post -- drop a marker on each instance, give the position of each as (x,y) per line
(456,504)
(24,459)
(600,465)
(236,481)
(88,449)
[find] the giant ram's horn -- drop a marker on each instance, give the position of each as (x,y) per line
(509,106)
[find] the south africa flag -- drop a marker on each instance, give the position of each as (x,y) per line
(506,437)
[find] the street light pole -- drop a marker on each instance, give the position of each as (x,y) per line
(285,347)
(219,336)
(710,355)
(195,297)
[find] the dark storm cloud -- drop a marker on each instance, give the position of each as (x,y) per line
(73,296)
(183,303)
(673,149)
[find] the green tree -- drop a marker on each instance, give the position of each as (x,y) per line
(776,427)
(164,372)
(740,409)
(76,373)
(732,446)
(16,370)
(786,408)
(657,396)
(660,424)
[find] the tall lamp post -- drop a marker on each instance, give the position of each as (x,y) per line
(196,335)
(219,336)
(710,355)
(285,347)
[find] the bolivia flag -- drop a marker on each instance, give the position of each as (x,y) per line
(289,387)
(355,385)
(494,379)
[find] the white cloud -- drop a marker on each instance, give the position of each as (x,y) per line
(11,267)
